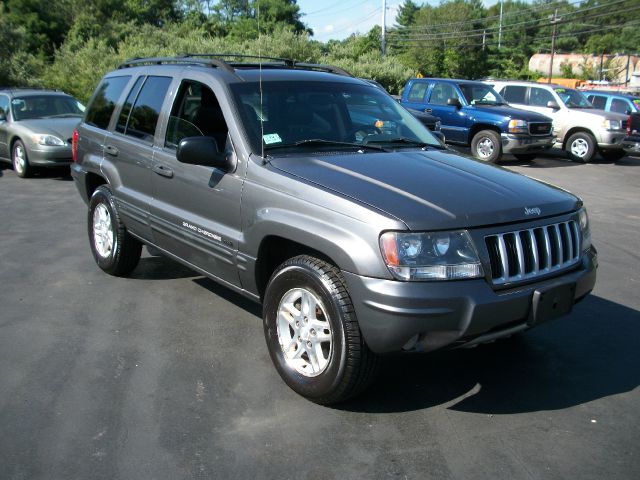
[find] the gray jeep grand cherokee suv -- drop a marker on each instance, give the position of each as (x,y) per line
(318,195)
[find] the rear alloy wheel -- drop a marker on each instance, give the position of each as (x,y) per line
(612,155)
(20,160)
(581,147)
(525,157)
(312,332)
(114,249)
(486,146)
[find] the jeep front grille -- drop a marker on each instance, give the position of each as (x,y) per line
(526,254)
(539,128)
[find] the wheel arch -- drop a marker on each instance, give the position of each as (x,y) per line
(478,127)
(573,130)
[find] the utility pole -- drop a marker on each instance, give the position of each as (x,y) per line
(384,26)
(554,20)
(484,39)
(500,30)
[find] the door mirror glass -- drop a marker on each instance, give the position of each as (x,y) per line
(203,151)
(552,104)
(454,102)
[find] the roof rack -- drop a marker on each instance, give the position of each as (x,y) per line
(215,60)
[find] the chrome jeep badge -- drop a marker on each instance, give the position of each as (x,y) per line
(532,211)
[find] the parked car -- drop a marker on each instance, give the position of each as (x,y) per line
(357,239)
(631,142)
(613,101)
(36,127)
(473,114)
(432,122)
(581,130)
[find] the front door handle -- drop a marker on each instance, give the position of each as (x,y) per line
(163,170)
(111,150)
(427,110)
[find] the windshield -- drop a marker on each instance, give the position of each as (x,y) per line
(45,106)
(481,94)
(573,98)
(300,116)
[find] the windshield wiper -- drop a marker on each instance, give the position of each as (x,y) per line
(63,115)
(315,142)
(404,142)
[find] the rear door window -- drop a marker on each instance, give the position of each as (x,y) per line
(598,101)
(146,109)
(417,91)
(104,101)
(514,94)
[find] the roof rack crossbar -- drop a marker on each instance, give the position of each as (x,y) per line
(179,60)
(326,68)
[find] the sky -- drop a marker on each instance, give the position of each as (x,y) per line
(337,19)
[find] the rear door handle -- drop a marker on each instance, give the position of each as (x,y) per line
(111,150)
(427,110)
(162,170)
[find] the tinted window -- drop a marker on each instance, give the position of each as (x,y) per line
(539,97)
(598,101)
(4,104)
(126,108)
(416,94)
(104,101)
(479,94)
(441,93)
(620,106)
(514,94)
(144,116)
(45,106)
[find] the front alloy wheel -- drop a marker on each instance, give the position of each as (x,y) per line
(21,160)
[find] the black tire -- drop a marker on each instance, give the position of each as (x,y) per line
(351,365)
(581,147)
(486,146)
(525,157)
(20,160)
(612,155)
(124,254)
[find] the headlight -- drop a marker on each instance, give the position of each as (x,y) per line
(612,124)
(50,140)
(583,220)
(430,256)
(518,126)
(438,126)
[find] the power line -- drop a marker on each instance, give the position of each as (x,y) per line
(369,16)
(346,9)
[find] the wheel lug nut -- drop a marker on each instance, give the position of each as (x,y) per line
(306,319)
(313,332)
(299,339)
(309,344)
(297,323)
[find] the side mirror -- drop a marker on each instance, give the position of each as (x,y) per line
(454,102)
(552,104)
(203,151)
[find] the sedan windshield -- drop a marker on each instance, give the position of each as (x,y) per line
(481,94)
(45,106)
(573,98)
(311,116)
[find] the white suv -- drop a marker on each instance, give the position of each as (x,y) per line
(581,130)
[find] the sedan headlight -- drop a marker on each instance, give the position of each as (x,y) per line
(518,126)
(612,124)
(585,232)
(49,140)
(430,255)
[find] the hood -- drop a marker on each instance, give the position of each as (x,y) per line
(511,112)
(431,189)
(599,115)
(60,127)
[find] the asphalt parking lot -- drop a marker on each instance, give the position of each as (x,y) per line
(166,375)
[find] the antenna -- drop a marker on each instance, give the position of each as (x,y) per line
(260,82)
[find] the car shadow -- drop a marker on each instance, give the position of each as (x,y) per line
(161,268)
(593,353)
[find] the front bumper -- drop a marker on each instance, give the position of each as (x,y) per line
(45,156)
(427,316)
(525,143)
(611,140)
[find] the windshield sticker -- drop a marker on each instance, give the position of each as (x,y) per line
(271,138)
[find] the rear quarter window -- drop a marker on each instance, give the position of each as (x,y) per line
(104,101)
